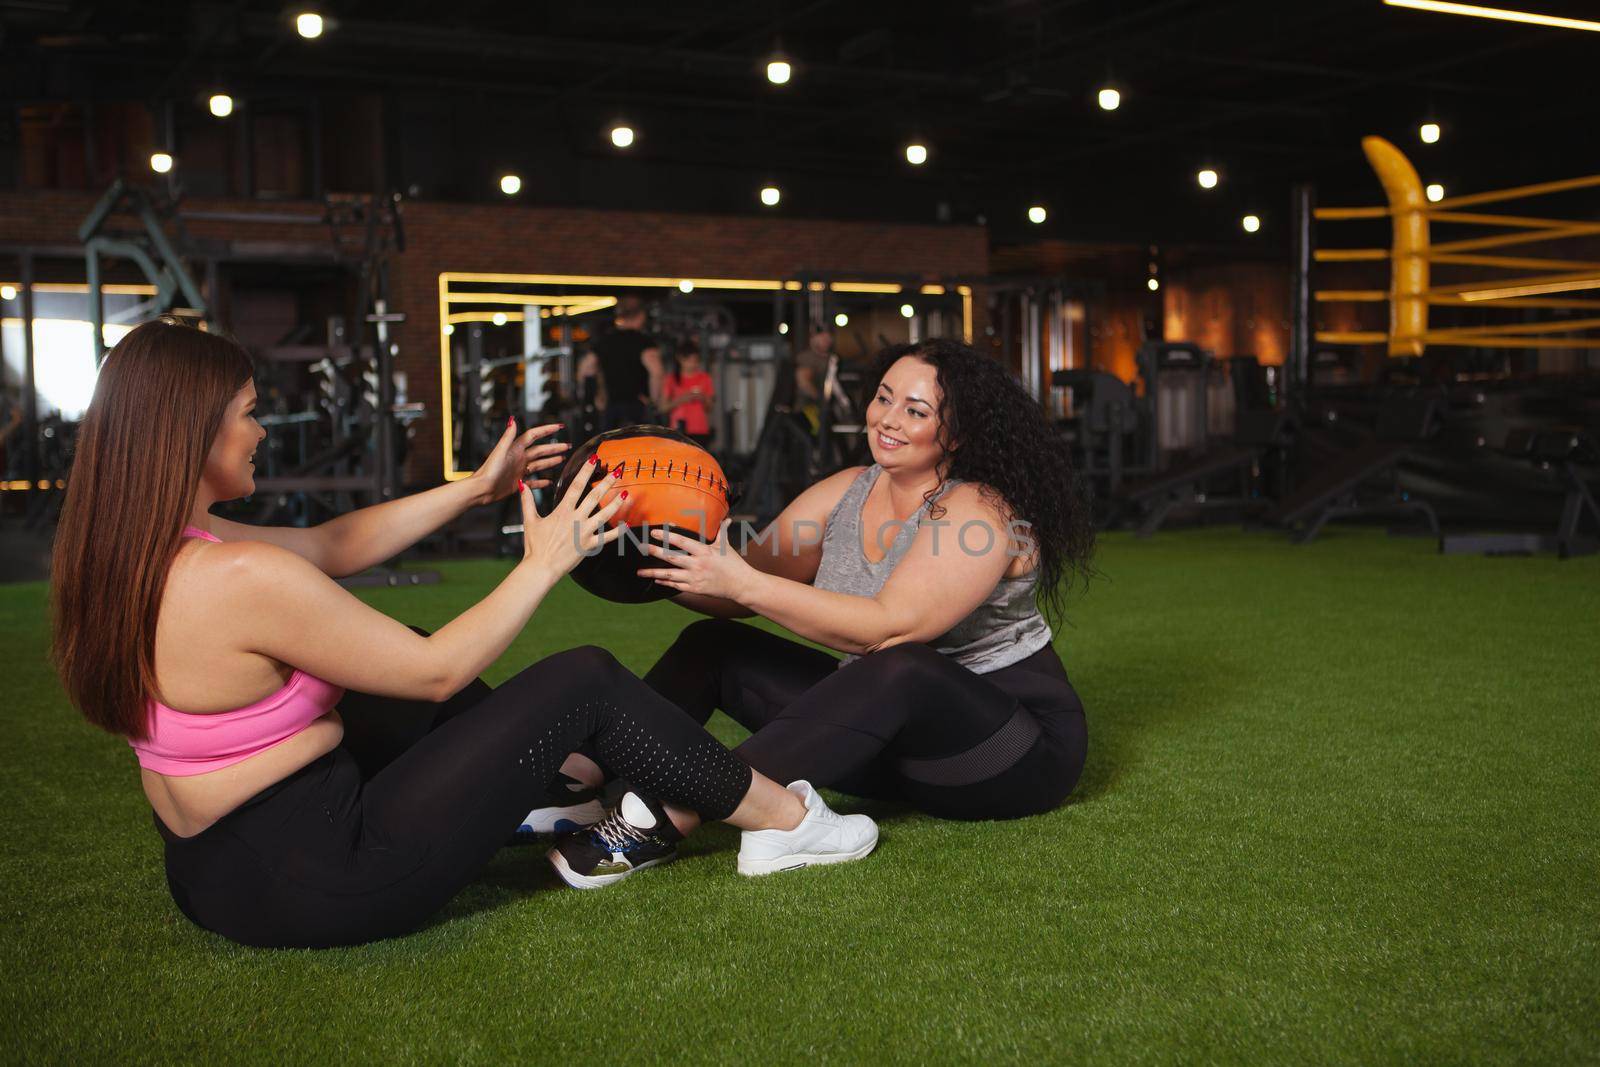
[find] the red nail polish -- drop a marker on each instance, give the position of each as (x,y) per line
(520,485)
(617,473)
(594,458)
(624,496)
(511,420)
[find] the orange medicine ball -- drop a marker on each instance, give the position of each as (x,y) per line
(672,483)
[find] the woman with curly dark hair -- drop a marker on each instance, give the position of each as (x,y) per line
(928,570)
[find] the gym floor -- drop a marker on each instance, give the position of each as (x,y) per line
(1340,807)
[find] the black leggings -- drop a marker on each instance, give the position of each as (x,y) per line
(370,840)
(907,722)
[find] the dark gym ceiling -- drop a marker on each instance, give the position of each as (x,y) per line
(1003,93)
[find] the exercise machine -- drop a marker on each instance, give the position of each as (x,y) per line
(1255,450)
(1109,431)
(1176,376)
(1345,487)
(1561,453)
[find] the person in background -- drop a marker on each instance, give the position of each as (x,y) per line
(686,395)
(11,420)
(627,363)
(811,366)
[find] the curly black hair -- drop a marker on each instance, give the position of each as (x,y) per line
(996,436)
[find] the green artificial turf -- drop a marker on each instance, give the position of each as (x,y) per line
(1340,806)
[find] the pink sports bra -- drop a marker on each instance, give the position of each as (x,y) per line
(184,743)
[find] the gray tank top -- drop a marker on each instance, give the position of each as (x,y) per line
(1005,629)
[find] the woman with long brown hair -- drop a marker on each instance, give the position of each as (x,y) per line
(320,773)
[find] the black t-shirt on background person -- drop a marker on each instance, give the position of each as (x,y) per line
(618,352)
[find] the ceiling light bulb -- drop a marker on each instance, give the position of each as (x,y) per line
(308,24)
(770,195)
(160,162)
(1207,178)
(1037,214)
(1154,284)
(686,286)
(221,105)
(1429,132)
(622,136)
(1435,193)
(779,72)
(1251,223)
(1110,99)
(511,185)
(841,319)
(500,318)
(906,311)
(916,154)
(449,329)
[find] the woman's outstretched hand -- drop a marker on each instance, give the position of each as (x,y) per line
(713,570)
(575,527)
(517,458)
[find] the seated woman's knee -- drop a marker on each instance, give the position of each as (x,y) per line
(585,661)
(584,665)
(900,662)
(701,641)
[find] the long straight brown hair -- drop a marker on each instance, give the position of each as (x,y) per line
(142,447)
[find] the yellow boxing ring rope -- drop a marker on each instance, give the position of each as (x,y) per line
(1411,255)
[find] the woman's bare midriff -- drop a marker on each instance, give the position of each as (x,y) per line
(190,804)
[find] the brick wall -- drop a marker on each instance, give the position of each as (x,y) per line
(53,218)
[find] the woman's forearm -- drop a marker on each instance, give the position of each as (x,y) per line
(714,606)
(370,535)
(473,640)
(843,622)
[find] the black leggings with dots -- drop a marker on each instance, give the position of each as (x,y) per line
(905,723)
(373,838)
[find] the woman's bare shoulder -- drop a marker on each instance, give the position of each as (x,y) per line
(238,572)
(978,500)
(818,502)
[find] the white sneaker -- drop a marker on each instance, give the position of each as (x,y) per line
(561,819)
(823,836)
(573,806)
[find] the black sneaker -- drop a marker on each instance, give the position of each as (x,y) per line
(637,834)
(574,806)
